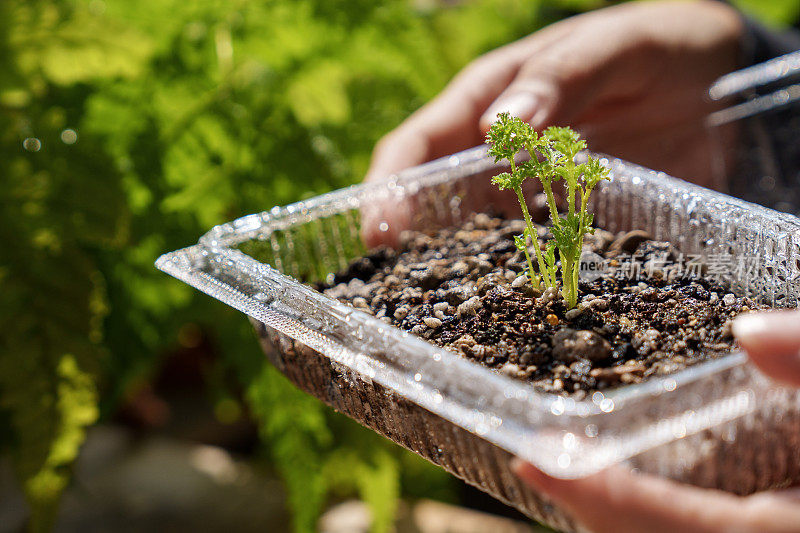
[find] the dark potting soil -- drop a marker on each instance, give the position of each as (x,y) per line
(465,289)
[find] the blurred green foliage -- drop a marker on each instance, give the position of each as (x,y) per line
(127,129)
(777,13)
(146,123)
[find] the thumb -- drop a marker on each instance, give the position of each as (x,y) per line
(772,340)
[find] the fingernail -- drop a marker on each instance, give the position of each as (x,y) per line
(522,105)
(772,340)
(777,326)
(749,325)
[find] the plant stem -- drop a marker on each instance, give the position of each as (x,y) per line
(571,186)
(568,280)
(532,231)
(575,279)
(535,281)
(551,201)
(585,193)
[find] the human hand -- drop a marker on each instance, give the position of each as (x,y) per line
(618,501)
(632,79)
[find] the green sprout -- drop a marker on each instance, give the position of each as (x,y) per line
(552,159)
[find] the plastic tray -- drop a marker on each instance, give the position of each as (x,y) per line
(717,424)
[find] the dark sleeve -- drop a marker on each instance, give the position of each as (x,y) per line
(768,167)
(760,44)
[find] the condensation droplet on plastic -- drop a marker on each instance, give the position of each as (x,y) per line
(383,226)
(564,460)
(32,144)
(557,408)
(591,431)
(607,405)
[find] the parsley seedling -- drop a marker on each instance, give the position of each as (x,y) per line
(552,158)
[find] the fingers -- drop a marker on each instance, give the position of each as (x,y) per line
(458,118)
(446,125)
(772,340)
(382,222)
(452,121)
(609,73)
(570,67)
(398,150)
(449,123)
(618,501)
(657,56)
(529,97)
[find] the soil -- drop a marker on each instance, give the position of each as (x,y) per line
(465,289)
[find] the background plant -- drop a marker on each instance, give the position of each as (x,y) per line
(127,129)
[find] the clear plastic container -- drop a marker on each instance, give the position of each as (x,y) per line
(717,424)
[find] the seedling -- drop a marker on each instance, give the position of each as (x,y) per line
(552,158)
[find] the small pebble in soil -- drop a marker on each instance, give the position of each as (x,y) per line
(520,281)
(598,303)
(441,306)
(432,322)
(550,294)
(570,344)
(572,314)
(469,307)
